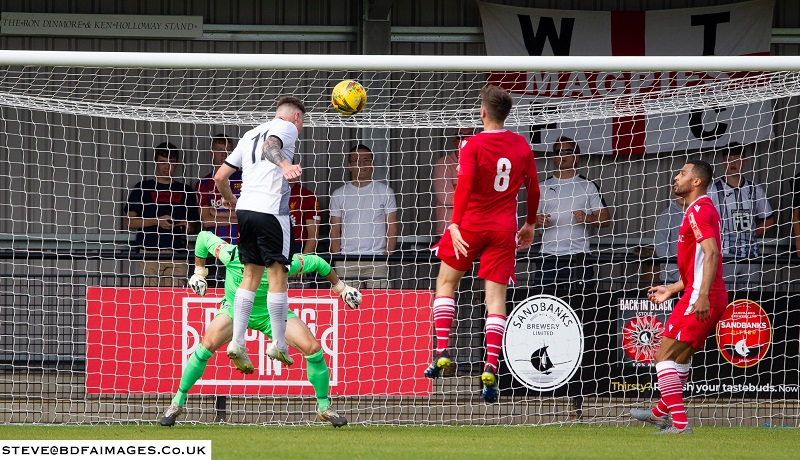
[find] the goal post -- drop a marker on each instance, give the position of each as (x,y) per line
(84,340)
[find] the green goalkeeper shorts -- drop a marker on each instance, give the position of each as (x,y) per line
(259,318)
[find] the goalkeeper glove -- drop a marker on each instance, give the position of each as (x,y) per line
(350,295)
(198,281)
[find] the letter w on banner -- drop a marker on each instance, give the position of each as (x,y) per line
(731,30)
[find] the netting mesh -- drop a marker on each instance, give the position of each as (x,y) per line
(82,339)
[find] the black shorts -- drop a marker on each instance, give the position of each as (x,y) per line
(264,238)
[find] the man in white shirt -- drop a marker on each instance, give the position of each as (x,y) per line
(363,223)
(746,215)
(569,207)
(265,155)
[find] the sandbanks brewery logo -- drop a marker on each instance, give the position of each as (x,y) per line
(744,333)
(543,343)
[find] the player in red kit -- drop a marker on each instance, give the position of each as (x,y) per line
(493,165)
(700,307)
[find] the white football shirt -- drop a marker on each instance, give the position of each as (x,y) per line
(264,189)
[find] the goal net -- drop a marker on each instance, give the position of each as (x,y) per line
(86,336)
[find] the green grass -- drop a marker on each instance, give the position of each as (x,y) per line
(436,442)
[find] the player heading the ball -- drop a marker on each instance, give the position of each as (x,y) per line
(265,155)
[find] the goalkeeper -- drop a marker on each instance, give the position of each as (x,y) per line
(220,331)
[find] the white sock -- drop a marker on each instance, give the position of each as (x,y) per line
(278,306)
(242,306)
(683,371)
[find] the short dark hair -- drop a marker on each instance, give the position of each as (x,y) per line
(291,100)
(734,148)
(360,147)
(703,170)
(562,139)
(497,102)
(221,138)
(166,150)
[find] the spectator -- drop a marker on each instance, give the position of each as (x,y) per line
(163,211)
(213,216)
(363,222)
(445,176)
(569,206)
(443,185)
(304,211)
(746,215)
(668,225)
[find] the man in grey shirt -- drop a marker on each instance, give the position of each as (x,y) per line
(668,225)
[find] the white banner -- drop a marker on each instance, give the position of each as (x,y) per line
(735,29)
(101,25)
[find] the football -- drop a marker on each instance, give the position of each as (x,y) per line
(349,97)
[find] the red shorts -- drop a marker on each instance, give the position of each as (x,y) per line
(683,326)
(497,250)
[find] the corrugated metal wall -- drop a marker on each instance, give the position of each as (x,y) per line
(409,153)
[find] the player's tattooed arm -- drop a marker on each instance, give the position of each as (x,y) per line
(271,150)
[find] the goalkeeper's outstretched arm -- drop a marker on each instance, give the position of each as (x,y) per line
(208,243)
(310,263)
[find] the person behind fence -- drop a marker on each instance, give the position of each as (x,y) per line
(215,217)
(220,330)
(665,242)
(363,222)
(443,182)
(493,166)
(304,211)
(569,208)
(701,306)
(163,211)
(746,215)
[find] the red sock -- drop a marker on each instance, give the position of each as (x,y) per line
(495,326)
(444,309)
(669,383)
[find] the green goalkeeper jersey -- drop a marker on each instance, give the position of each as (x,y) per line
(209,243)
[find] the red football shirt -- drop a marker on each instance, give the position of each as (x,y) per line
(701,221)
(210,197)
(303,206)
(500,162)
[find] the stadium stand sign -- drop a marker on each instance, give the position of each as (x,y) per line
(101,25)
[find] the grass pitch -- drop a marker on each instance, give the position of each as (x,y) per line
(435,442)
